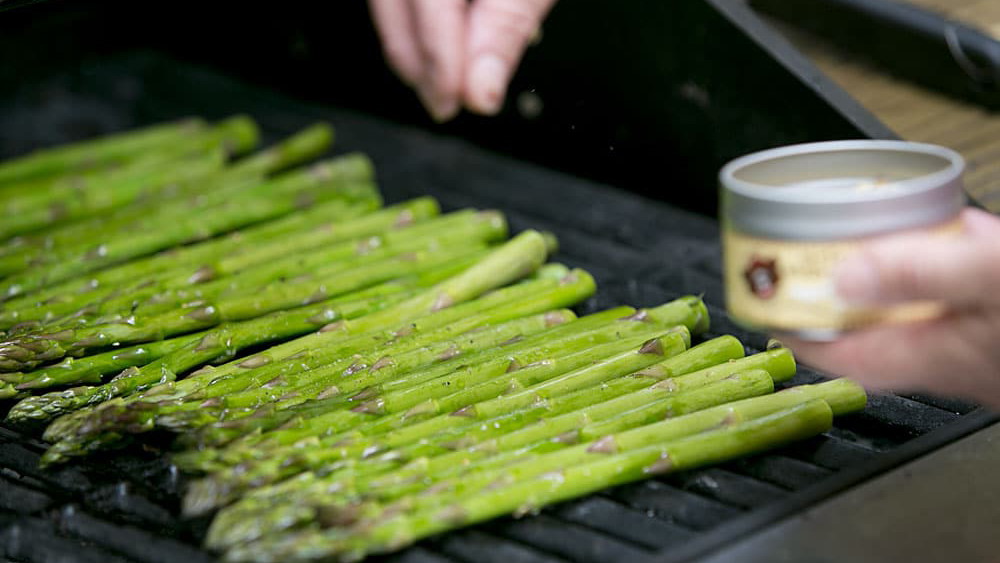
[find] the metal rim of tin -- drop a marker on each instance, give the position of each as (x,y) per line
(925,189)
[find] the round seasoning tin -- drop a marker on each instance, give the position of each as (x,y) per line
(790,214)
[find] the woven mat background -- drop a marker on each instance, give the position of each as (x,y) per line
(918,114)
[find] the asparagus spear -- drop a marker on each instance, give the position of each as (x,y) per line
(702,365)
(273,449)
(504,438)
(30,350)
(389,480)
(517,258)
(328,383)
(450,231)
(323,381)
(329,386)
(83,196)
(303,352)
(221,340)
(167,415)
(527,384)
(300,147)
(434,309)
(336,218)
(514,467)
(489,336)
(611,361)
(90,369)
(86,154)
(176,226)
(213,190)
(85,203)
(324,260)
(382,532)
(67,426)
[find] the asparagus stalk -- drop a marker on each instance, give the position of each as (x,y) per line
(91,369)
(58,403)
(559,356)
(700,366)
(78,197)
(435,308)
(328,382)
(259,511)
(87,154)
(279,197)
(515,259)
(69,425)
(605,365)
(222,341)
(485,365)
(310,351)
(339,219)
(450,231)
(172,417)
(324,260)
(214,190)
(517,466)
(433,437)
(85,203)
(487,337)
(300,147)
(382,533)
(527,384)
(30,350)
(559,417)
(497,441)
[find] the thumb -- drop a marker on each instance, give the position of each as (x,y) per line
(498,33)
(962,270)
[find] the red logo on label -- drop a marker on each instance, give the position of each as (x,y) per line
(762,276)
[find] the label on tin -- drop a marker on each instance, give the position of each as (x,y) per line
(786,285)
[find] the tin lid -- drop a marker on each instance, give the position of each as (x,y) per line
(841,189)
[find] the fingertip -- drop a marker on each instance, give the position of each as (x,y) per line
(487,84)
(978,222)
(440,108)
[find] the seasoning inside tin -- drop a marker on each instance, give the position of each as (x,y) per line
(790,215)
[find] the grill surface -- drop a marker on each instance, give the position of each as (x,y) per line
(124,506)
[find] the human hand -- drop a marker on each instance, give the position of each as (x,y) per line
(457,53)
(956,355)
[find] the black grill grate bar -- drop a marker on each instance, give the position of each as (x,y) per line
(479,546)
(721,485)
(955,406)
(779,470)
(419,554)
(569,540)
(610,517)
(129,541)
(35,540)
(672,504)
(897,419)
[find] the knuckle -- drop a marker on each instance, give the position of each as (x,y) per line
(908,277)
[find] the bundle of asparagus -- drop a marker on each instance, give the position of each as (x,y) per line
(346,378)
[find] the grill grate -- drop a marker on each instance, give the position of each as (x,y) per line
(124,506)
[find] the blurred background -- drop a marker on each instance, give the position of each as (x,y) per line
(916,109)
